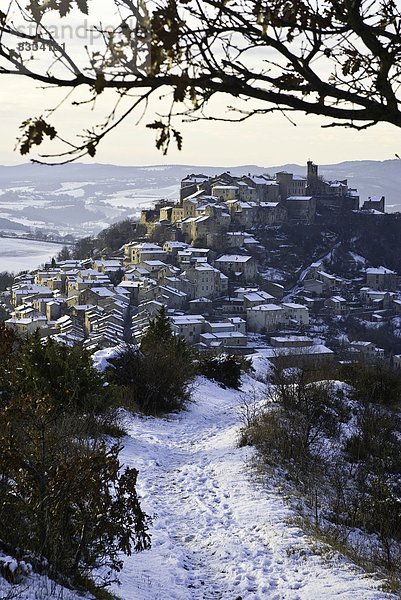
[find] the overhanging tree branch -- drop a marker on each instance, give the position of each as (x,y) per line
(339,60)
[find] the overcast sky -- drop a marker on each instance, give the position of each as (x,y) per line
(263,140)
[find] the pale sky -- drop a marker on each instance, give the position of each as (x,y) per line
(263,140)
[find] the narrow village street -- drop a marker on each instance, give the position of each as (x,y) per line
(217,533)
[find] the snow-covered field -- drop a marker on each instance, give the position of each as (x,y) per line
(21,255)
(217,533)
(79,208)
(139,198)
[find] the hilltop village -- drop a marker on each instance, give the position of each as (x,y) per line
(215,260)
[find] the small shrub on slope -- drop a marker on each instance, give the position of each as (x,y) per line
(224,368)
(155,378)
(341,448)
(374,382)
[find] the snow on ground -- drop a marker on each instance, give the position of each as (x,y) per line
(21,255)
(358,259)
(142,197)
(101,357)
(217,533)
(72,188)
(35,587)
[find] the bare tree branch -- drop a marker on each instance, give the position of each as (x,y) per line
(336,59)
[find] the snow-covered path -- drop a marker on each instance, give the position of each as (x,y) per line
(217,534)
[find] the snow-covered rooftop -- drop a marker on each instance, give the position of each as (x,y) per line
(379,271)
(234,258)
(265,307)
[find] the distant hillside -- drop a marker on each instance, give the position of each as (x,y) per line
(7,225)
(369,176)
(82,199)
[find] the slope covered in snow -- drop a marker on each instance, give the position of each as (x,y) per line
(33,586)
(217,533)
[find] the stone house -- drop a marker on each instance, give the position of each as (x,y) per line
(19,293)
(191,184)
(381,278)
(205,281)
(42,277)
(27,326)
(202,306)
(171,297)
(258,297)
(97,296)
(337,305)
(233,306)
(237,265)
(172,247)
(225,192)
(107,266)
(189,327)
(246,193)
(266,190)
(297,313)
(53,310)
(223,339)
(301,209)
(27,311)
(244,214)
(291,185)
(376,298)
(314,286)
(334,195)
(191,204)
(291,341)
(177,214)
(265,317)
(331,282)
(376,203)
(298,357)
(238,323)
(55,284)
(275,289)
(365,349)
(272,213)
(136,253)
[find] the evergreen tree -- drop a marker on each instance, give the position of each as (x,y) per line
(64,254)
(6,280)
(224,368)
(63,496)
(66,374)
(157,377)
(159,332)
